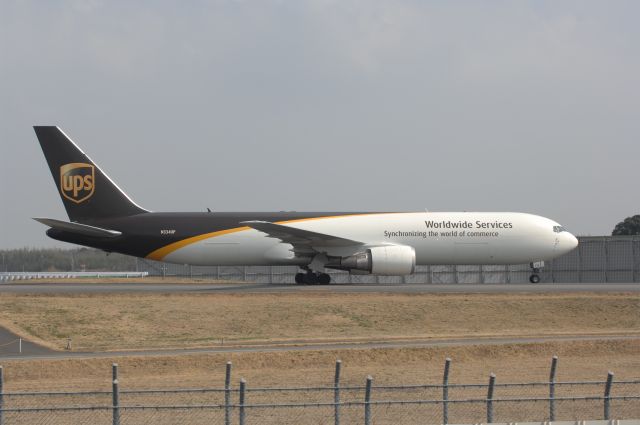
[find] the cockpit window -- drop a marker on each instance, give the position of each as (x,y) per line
(559,229)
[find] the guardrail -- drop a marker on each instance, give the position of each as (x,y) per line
(12,276)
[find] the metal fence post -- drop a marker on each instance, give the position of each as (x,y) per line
(552,388)
(1,393)
(579,263)
(367,401)
(607,396)
(445,391)
(243,387)
(227,395)
(635,255)
(606,260)
(492,383)
(336,392)
(114,371)
(116,403)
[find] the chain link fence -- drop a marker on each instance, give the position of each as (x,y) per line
(335,404)
(598,259)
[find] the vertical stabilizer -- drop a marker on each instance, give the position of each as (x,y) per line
(86,192)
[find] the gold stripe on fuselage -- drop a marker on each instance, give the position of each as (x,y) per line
(160,253)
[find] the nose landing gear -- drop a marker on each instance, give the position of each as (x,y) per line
(535,269)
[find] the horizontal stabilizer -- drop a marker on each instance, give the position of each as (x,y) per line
(81,229)
(299,237)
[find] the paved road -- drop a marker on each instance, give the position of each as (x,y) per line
(133,287)
(323,346)
(10,345)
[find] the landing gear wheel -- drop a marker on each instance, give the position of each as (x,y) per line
(324,279)
(535,270)
(300,278)
(310,278)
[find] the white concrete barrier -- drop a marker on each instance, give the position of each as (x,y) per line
(12,276)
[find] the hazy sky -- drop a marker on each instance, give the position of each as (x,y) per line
(327,105)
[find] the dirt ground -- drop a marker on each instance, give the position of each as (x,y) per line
(470,364)
(125,321)
(139,321)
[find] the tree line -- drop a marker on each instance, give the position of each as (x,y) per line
(63,260)
(628,226)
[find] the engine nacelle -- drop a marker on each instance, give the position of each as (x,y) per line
(393,260)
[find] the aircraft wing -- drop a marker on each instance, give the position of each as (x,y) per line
(82,229)
(302,240)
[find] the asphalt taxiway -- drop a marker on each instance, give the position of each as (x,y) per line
(231,288)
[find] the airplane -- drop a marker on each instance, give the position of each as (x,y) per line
(102,216)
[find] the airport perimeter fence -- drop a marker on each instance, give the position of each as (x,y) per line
(598,259)
(338,403)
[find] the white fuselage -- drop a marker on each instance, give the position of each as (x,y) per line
(437,238)
(103,216)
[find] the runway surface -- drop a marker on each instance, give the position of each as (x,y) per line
(317,346)
(231,288)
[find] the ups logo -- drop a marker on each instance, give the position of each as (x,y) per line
(77,181)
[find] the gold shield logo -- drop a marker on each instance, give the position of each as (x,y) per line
(77,181)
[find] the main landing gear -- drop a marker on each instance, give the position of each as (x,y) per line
(312,278)
(535,269)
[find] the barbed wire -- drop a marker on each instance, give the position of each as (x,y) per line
(309,389)
(329,404)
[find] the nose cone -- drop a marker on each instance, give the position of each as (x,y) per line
(568,242)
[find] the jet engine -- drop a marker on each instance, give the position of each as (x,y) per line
(393,260)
